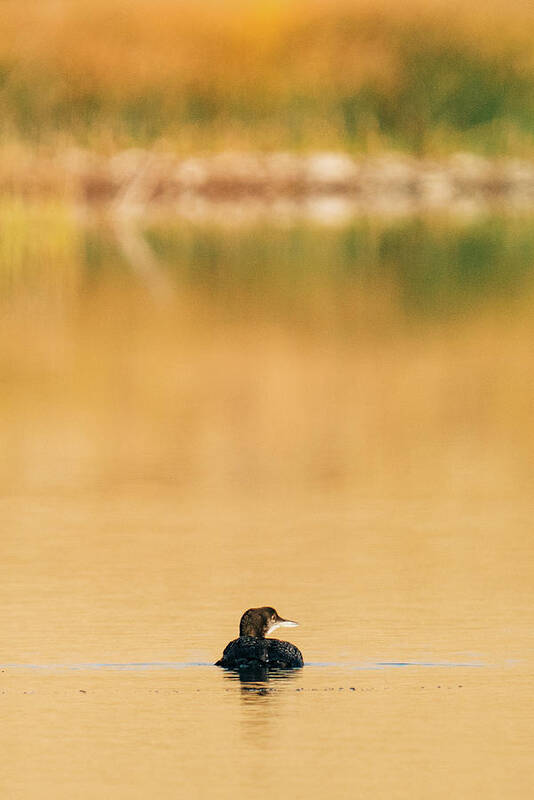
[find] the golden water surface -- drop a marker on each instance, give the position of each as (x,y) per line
(170,458)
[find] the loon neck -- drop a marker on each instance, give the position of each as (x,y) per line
(253,624)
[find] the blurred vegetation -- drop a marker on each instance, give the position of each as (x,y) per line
(199,74)
(39,246)
(369,272)
(416,267)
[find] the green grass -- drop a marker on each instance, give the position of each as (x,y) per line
(322,76)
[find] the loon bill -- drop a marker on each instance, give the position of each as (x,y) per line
(252,649)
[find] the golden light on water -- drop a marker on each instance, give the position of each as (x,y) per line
(109,383)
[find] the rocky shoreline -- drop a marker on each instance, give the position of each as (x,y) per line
(324,186)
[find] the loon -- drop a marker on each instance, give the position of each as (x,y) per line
(252,649)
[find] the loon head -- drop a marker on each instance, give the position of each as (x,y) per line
(261,621)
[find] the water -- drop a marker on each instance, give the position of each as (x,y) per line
(175,449)
(195,733)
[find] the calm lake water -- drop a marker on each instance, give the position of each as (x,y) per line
(337,422)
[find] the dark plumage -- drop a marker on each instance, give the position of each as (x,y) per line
(253,650)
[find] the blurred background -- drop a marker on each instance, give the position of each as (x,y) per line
(266,243)
(429,76)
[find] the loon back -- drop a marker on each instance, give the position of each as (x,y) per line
(251,651)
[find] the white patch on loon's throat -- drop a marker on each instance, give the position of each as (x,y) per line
(285,624)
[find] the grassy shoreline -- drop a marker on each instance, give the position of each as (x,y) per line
(424,78)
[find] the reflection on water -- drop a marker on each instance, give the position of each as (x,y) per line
(197,421)
(190,357)
(424,265)
(260,680)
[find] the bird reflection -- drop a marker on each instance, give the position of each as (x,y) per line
(255,680)
(262,694)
